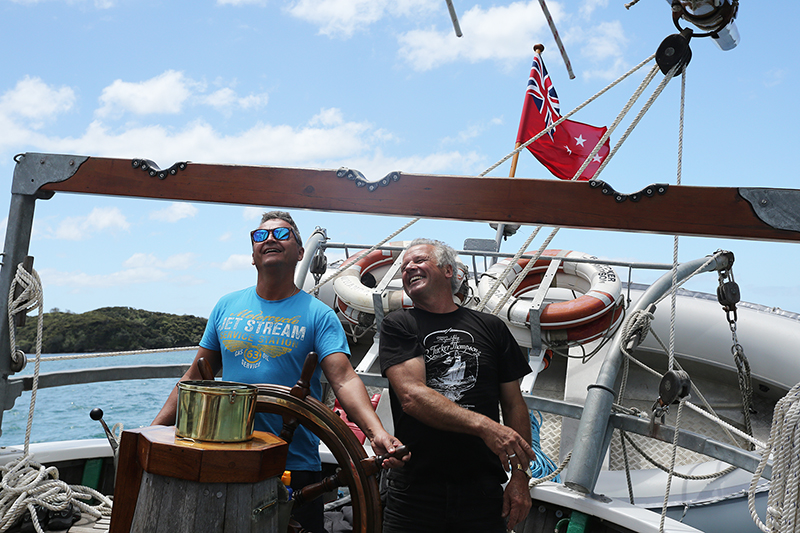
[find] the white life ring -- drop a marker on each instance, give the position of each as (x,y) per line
(577,321)
(353,297)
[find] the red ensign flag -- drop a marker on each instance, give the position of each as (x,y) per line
(565,148)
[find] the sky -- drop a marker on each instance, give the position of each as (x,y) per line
(377,86)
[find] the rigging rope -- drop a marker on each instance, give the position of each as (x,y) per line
(671,466)
(536,481)
(565,117)
(116,354)
(675,238)
(27,486)
(709,413)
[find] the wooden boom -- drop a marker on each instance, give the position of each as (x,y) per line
(670,209)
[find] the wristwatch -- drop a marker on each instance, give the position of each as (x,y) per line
(525,469)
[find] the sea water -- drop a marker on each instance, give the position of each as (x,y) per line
(62,413)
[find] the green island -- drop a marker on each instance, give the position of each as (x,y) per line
(110,329)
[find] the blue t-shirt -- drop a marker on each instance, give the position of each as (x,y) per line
(263,341)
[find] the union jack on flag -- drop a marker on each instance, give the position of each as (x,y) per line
(541,90)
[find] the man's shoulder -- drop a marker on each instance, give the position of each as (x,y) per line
(479,315)
(403,315)
(313,303)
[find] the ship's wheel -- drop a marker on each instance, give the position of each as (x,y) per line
(357,470)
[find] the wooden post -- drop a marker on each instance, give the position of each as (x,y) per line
(169,485)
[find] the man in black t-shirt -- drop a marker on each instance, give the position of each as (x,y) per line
(450,371)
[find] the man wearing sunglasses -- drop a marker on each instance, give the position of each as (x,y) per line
(262,334)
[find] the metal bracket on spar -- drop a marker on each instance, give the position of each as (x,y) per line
(152,169)
(776,207)
(361,181)
(34,170)
(649,191)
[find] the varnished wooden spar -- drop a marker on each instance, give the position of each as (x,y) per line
(682,210)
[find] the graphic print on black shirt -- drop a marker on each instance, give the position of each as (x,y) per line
(451,361)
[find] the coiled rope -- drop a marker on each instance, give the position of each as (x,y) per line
(27,484)
(784,445)
(542,465)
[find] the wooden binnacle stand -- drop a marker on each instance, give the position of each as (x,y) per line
(171,485)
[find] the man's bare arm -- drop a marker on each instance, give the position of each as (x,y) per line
(352,394)
(166,417)
(435,410)
(516,497)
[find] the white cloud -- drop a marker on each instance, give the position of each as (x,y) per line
(500,33)
(327,117)
(376,166)
(472,131)
(252,213)
(138,269)
(774,77)
(328,140)
(165,93)
(174,212)
(226,99)
(603,45)
(78,280)
(241,2)
(100,219)
(99,4)
(200,142)
(237,262)
(341,18)
(589,6)
(33,99)
(174,262)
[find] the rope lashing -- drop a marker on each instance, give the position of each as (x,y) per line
(560,45)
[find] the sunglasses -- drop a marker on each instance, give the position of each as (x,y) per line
(280,234)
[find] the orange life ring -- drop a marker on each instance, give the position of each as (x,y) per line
(577,321)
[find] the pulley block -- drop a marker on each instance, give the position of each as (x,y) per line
(728,294)
(674,50)
(319,263)
(675,384)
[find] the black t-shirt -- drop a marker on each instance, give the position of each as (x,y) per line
(467,355)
